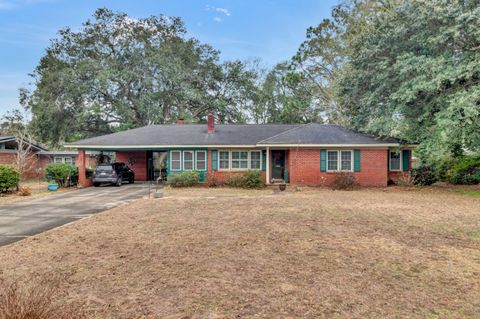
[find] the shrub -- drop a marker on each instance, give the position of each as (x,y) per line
(424,175)
(344,181)
(34,300)
(9,177)
(184,179)
(24,191)
(443,167)
(466,171)
(253,179)
(60,172)
(405,179)
(248,179)
(213,181)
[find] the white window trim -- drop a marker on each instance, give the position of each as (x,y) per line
(219,160)
(193,160)
(239,160)
(390,161)
(249,160)
(171,161)
(339,161)
(63,160)
(205,161)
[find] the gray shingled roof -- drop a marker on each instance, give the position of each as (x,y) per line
(324,134)
(238,134)
(189,134)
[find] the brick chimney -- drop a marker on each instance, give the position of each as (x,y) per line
(211,123)
(180,122)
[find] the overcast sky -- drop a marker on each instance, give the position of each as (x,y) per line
(240,29)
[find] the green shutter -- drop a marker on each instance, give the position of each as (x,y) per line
(356,160)
(323,160)
(406,160)
(215,160)
(264,160)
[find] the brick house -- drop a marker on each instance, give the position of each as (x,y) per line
(37,159)
(303,154)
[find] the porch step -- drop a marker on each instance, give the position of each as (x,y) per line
(277,181)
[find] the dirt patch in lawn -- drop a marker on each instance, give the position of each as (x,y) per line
(314,253)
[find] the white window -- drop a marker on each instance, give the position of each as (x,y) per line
(346,160)
(61,159)
(395,160)
(340,161)
(239,160)
(332,160)
(255,160)
(175,160)
(201,160)
(187,160)
(224,162)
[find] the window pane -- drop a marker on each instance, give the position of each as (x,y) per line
(187,160)
(201,160)
(346,160)
(175,156)
(224,158)
(255,160)
(200,156)
(244,155)
(235,163)
(394,160)
(188,156)
(58,160)
(68,160)
(332,161)
(175,162)
(244,164)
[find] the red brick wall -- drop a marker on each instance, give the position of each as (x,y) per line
(139,165)
(35,167)
(304,168)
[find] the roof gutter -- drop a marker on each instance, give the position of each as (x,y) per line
(332,145)
(149,147)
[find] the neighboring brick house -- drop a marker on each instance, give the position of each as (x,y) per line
(303,154)
(37,159)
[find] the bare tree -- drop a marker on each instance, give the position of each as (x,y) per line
(25,157)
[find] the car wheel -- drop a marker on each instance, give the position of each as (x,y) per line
(96,184)
(119,182)
(132,180)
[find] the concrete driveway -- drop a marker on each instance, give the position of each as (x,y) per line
(23,219)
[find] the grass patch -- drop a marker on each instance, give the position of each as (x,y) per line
(230,253)
(470,192)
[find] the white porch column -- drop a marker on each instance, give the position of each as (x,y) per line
(268,166)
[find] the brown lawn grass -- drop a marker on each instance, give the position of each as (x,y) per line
(316,253)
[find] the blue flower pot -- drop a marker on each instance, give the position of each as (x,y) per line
(52,187)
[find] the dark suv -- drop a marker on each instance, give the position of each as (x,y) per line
(116,174)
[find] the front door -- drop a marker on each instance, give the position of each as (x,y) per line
(278,164)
